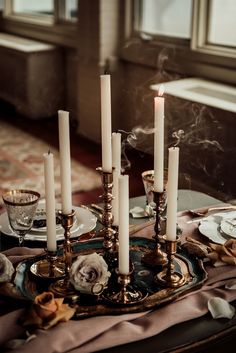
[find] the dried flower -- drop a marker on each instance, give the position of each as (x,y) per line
(223,254)
(45,305)
(89,273)
(6,269)
(47,311)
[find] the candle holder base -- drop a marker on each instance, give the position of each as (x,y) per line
(125,294)
(43,268)
(169,277)
(49,268)
(154,258)
(174,280)
(157,257)
(63,289)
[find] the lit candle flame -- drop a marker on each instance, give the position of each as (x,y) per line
(161,90)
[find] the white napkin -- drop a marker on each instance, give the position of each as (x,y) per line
(139,212)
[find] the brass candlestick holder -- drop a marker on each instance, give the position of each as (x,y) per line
(116,238)
(169,277)
(157,257)
(107,217)
(125,294)
(63,288)
(51,267)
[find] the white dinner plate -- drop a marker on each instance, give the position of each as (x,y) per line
(84,222)
(228,226)
(40,215)
(211,226)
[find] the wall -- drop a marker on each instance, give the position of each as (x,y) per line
(203,166)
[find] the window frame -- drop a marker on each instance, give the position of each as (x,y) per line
(192,57)
(49,28)
(200,32)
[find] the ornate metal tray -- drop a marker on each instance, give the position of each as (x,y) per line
(29,285)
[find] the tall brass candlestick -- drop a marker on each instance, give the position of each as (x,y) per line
(125,293)
(107,217)
(62,288)
(169,277)
(157,257)
(67,221)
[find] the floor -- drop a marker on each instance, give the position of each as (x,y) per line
(83,150)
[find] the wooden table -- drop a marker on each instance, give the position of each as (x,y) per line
(203,334)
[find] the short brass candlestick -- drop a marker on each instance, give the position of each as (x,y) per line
(125,292)
(63,288)
(107,217)
(157,257)
(50,267)
(168,277)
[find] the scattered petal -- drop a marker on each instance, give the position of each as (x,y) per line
(6,269)
(220,308)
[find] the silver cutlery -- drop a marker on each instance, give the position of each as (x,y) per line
(210,211)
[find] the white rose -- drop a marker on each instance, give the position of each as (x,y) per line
(89,273)
(6,269)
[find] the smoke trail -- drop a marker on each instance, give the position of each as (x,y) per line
(178,135)
(134,139)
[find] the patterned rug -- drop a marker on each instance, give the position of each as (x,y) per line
(21,164)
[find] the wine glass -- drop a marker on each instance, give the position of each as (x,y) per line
(21,206)
(148,182)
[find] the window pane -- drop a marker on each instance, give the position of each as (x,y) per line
(166,17)
(44,7)
(222,22)
(69,10)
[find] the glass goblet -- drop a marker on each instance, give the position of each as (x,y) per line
(21,207)
(148,182)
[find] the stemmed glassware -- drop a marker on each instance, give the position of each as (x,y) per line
(21,207)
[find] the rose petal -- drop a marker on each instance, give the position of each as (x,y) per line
(220,308)
(6,269)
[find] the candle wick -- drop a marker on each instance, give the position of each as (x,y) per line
(107,67)
(49,151)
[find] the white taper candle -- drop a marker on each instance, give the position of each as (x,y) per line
(65,161)
(124,224)
(159,144)
(50,201)
(116,151)
(172,193)
(116,164)
(106,122)
(115,201)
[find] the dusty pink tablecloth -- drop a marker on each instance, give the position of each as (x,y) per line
(93,334)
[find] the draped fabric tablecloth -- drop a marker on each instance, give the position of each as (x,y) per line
(96,333)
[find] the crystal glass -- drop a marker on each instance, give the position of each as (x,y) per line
(148,181)
(21,207)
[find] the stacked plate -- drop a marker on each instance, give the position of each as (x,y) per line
(219,227)
(84,222)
